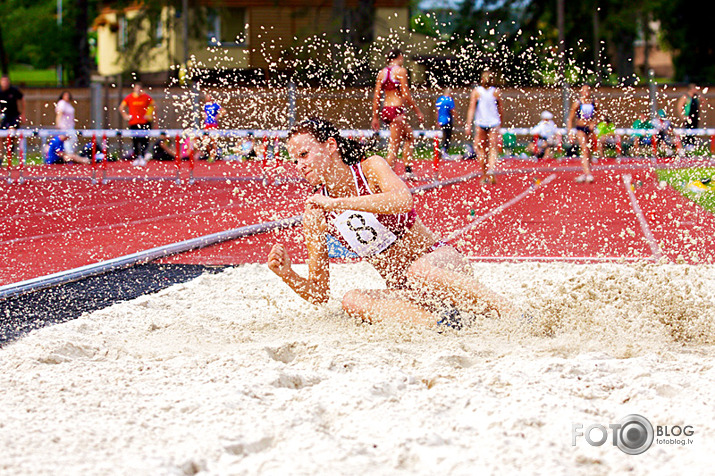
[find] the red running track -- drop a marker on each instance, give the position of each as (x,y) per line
(534,212)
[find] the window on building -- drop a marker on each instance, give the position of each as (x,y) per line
(226,26)
(159,31)
(122,33)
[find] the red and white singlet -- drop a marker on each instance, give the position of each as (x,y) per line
(367,234)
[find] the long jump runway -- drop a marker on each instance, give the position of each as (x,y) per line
(531,214)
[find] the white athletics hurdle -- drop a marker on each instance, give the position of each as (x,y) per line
(101,142)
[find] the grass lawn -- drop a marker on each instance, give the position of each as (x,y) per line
(697,184)
(33,77)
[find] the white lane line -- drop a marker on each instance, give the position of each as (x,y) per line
(500,208)
(645,228)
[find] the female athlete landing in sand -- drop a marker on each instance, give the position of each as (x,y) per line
(361,202)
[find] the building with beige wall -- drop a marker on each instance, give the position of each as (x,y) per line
(248,36)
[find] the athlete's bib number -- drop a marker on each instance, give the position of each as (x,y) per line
(363,232)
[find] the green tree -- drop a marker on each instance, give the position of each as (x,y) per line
(31,35)
(685,27)
(526,36)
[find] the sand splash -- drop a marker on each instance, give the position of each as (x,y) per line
(233,374)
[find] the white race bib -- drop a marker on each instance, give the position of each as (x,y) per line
(365,235)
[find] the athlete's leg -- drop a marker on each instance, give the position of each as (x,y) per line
(408,137)
(583,143)
(493,141)
(394,143)
(375,305)
(480,145)
(447,274)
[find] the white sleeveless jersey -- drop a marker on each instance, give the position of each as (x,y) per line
(487,113)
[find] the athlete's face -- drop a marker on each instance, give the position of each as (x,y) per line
(313,158)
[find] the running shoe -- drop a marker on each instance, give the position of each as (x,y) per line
(581,178)
(450,317)
(589,178)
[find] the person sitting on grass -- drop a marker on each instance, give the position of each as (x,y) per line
(641,138)
(546,131)
(606,134)
(56,153)
(666,135)
(161,150)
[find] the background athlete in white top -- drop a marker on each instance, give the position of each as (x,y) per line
(486,102)
(65,121)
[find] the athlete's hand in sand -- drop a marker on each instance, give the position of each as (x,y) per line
(321,201)
(279,260)
(375,123)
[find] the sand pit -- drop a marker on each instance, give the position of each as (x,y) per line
(234,374)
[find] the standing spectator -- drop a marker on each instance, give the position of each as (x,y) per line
(583,116)
(545,131)
(212,113)
(65,120)
(688,108)
(57,152)
(138,109)
(12,105)
(444,108)
(485,108)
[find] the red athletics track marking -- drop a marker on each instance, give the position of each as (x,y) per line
(684,230)
(538,233)
(67,250)
(171,200)
(563,220)
(76,209)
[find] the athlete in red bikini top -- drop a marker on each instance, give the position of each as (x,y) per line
(389,82)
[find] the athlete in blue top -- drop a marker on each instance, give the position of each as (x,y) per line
(56,153)
(363,203)
(444,106)
(212,113)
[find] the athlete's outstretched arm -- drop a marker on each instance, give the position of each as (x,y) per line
(316,288)
(391,195)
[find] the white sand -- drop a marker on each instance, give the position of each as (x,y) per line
(234,374)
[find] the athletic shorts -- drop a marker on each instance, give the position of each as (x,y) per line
(585,129)
(389,113)
(10,122)
(209,127)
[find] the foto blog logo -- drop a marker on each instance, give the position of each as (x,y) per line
(633,434)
